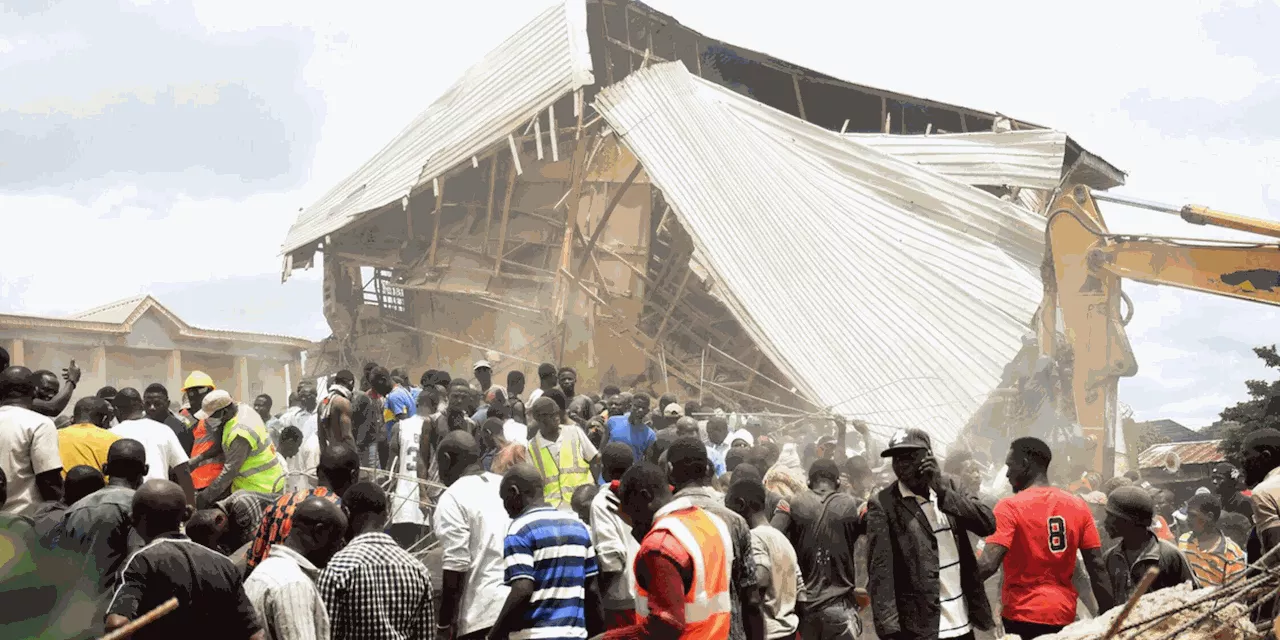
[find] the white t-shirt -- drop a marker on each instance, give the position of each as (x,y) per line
(406,508)
(301,468)
(616,550)
(28,447)
(515,432)
(471,525)
(164,452)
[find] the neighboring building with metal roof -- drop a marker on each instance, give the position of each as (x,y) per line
(544,208)
(1181,464)
(137,341)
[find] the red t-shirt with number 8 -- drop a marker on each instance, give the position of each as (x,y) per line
(1042,527)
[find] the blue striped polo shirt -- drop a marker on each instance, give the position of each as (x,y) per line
(553,549)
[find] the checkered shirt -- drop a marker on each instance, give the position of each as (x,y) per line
(374,590)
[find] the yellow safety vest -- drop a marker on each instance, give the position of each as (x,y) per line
(560,477)
(261,471)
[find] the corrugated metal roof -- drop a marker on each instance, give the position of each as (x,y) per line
(878,287)
(541,63)
(1031,159)
(1197,452)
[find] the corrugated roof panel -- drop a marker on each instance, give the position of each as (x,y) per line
(113,312)
(1031,159)
(1198,452)
(882,289)
(541,63)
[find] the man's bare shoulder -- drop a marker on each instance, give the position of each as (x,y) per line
(339,402)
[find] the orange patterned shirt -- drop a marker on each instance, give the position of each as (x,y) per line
(278,519)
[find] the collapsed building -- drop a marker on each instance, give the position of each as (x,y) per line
(611,190)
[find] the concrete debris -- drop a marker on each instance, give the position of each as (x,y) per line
(1229,623)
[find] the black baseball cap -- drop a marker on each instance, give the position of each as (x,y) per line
(905,440)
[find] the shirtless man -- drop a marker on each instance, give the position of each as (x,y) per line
(334,420)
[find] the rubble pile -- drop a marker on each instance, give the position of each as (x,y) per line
(1152,611)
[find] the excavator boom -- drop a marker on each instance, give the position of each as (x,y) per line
(1083,269)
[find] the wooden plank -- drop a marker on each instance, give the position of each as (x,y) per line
(435,233)
(506,215)
(488,218)
(675,301)
(604,218)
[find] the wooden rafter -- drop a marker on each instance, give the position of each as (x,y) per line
(488,218)
(604,218)
(439,213)
(506,215)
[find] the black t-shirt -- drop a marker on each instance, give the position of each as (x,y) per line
(185,436)
(824,544)
(1238,503)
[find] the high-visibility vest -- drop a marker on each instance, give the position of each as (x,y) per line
(203,475)
(261,471)
(560,477)
(707,605)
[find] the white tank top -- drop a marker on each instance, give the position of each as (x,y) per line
(407,509)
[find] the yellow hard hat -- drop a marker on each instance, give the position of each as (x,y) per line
(198,379)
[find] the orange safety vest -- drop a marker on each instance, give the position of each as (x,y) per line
(203,475)
(706,538)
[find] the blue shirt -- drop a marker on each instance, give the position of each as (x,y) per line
(638,437)
(717,459)
(399,401)
(552,548)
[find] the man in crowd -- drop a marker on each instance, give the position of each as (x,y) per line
(676,537)
(367,414)
(550,565)
(918,534)
(338,471)
(87,439)
(515,387)
(373,589)
(262,405)
(822,525)
(230,524)
(778,573)
(206,444)
(453,418)
(249,459)
(408,510)
(470,523)
(81,481)
(1213,556)
(211,602)
(298,461)
(166,459)
(28,446)
(1261,461)
(298,415)
(631,428)
(99,525)
(1229,485)
(1130,510)
(561,453)
(155,404)
(484,377)
(717,434)
(397,406)
(616,547)
(578,403)
(334,420)
(52,397)
(1039,530)
(692,474)
(282,588)
(546,381)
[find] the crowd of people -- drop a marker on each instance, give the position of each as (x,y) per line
(562,515)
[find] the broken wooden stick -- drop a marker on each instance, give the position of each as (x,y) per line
(1143,585)
(146,619)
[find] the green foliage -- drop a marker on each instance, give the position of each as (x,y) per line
(1248,415)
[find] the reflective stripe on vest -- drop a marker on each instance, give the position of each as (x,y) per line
(261,469)
(561,478)
(707,602)
(204,475)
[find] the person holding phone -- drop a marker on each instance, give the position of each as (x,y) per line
(923,573)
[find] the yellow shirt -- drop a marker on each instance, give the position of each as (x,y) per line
(85,444)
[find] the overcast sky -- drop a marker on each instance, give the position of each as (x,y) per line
(166,147)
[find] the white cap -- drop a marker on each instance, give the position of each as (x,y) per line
(673,410)
(481,364)
(214,402)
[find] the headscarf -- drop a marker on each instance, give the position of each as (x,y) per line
(786,477)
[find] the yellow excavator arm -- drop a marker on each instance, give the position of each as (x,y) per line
(1082,272)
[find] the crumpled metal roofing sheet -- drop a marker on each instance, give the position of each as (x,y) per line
(541,63)
(1031,159)
(1197,452)
(881,289)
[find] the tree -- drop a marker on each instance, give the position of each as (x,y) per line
(1251,414)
